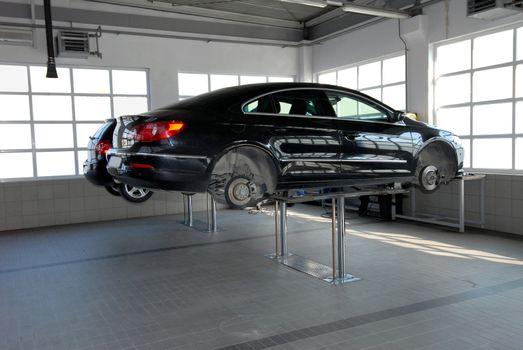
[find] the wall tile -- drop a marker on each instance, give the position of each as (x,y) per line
(29,193)
(12,194)
(517,189)
(45,191)
(13,209)
(61,205)
(30,207)
(503,188)
(517,208)
(45,206)
(503,223)
(61,190)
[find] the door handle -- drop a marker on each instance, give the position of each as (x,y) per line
(350,137)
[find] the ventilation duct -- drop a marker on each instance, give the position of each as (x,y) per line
(73,44)
(51,63)
(15,36)
(493,9)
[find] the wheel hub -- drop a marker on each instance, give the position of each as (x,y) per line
(136,192)
(430,178)
(241,191)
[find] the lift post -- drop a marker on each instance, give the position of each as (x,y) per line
(212,223)
(187,209)
(335,274)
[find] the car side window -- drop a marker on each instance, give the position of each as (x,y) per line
(261,105)
(349,107)
(298,102)
(301,102)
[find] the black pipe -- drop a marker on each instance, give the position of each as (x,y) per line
(51,63)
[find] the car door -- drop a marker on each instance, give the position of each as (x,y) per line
(371,145)
(306,144)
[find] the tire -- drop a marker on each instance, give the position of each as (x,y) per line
(429,179)
(239,192)
(114,190)
(135,194)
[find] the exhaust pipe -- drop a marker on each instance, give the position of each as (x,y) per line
(51,63)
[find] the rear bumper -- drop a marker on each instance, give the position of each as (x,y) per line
(96,173)
(164,172)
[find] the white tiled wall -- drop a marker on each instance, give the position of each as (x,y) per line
(503,202)
(59,202)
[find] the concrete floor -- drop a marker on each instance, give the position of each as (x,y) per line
(155,284)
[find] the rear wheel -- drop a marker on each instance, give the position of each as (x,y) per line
(239,192)
(135,194)
(243,177)
(114,190)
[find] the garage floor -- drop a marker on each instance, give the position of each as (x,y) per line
(155,284)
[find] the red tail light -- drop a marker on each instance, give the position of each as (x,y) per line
(155,131)
(141,166)
(103,146)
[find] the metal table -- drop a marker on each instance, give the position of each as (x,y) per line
(460,222)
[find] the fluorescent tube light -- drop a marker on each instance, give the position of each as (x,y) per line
(318,3)
(375,11)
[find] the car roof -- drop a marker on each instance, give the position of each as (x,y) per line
(226,98)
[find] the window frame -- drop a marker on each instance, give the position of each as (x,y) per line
(363,63)
(76,148)
(335,117)
(513,100)
(374,105)
(182,97)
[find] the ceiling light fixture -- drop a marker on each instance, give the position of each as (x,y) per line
(318,3)
(375,11)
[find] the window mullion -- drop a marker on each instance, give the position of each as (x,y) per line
(73,114)
(514,66)
(471,121)
(31,120)
(111,94)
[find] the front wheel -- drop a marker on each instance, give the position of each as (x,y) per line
(135,194)
(429,179)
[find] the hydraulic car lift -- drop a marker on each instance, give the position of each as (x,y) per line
(336,274)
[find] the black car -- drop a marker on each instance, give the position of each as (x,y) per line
(242,143)
(95,167)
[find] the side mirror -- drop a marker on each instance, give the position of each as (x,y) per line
(397,116)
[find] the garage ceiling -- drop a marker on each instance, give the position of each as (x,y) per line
(287,22)
(268,8)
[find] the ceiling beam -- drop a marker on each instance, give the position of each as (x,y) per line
(203,12)
(192,27)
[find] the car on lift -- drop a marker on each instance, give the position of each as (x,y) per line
(244,143)
(95,167)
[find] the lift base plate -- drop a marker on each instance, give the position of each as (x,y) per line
(311,268)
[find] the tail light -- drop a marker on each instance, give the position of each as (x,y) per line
(102,147)
(155,131)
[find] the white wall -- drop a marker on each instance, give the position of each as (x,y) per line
(49,202)
(504,193)
(165,57)
(370,42)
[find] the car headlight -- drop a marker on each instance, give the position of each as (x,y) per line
(455,139)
